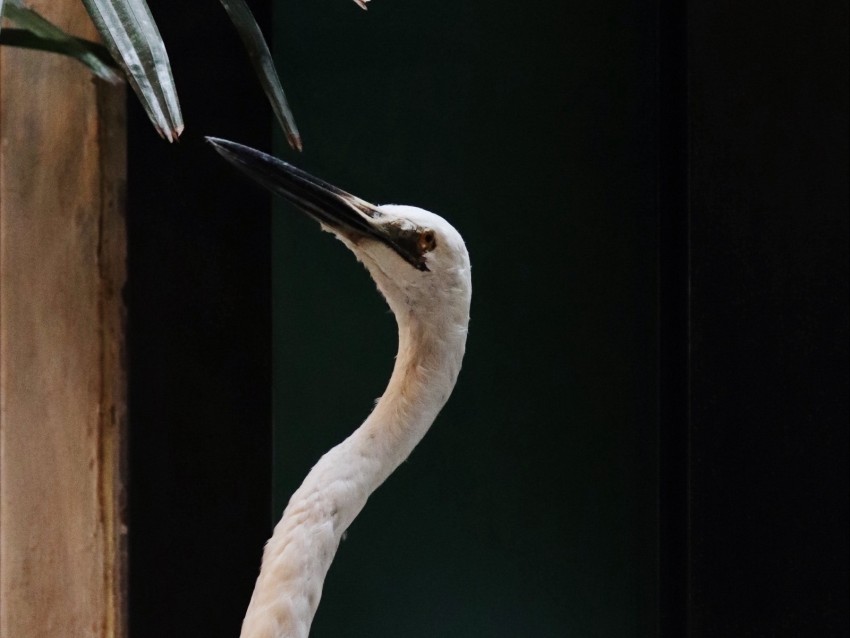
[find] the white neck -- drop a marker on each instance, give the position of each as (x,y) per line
(299,553)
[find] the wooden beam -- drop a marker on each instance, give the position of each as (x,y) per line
(62,378)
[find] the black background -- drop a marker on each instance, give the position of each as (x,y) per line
(530,508)
(199,343)
(741,122)
(768,195)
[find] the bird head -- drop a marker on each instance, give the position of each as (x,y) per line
(418,260)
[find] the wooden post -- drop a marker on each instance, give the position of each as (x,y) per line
(62,379)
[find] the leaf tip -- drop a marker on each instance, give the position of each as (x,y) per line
(294,140)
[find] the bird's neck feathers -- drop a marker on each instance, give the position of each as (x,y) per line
(432,314)
(426,367)
(424,375)
(299,553)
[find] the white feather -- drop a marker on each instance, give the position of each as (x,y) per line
(432,312)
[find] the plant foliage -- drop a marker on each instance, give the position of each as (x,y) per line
(135,44)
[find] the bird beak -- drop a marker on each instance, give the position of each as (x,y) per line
(341,212)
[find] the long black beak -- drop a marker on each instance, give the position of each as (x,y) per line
(327,204)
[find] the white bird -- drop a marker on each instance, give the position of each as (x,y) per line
(420,264)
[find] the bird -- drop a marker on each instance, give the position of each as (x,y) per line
(421,265)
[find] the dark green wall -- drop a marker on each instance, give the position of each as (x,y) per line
(530,507)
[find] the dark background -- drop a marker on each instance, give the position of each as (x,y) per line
(530,509)
(649,434)
(768,194)
(199,343)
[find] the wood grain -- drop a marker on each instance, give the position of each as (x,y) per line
(62,381)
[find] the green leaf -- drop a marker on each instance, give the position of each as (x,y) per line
(261,59)
(46,36)
(130,33)
(28,40)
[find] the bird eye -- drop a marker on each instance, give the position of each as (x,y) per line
(427,241)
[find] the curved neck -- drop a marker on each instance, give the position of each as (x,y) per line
(300,551)
(426,368)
